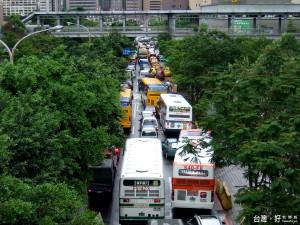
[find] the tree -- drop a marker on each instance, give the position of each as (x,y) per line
(256,124)
(57,115)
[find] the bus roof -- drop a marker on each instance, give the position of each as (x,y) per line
(157,87)
(126,93)
(143,158)
(174,100)
(204,155)
(151,81)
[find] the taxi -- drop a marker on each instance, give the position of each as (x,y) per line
(167,71)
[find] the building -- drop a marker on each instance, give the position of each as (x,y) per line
(133,5)
(19,7)
(175,4)
(49,5)
(151,4)
(116,5)
(85,4)
(1,14)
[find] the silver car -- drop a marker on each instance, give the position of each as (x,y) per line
(148,131)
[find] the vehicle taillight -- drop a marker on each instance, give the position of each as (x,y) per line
(212,196)
(203,194)
(156,200)
(168,122)
(108,190)
(126,200)
(156,128)
(89,190)
(129,118)
(172,195)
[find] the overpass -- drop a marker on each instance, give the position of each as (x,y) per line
(218,16)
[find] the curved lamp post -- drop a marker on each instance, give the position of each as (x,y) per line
(12,52)
(70,23)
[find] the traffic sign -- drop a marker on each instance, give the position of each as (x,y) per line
(126,51)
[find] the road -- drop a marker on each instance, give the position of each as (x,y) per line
(109,208)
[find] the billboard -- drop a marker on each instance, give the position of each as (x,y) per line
(242,26)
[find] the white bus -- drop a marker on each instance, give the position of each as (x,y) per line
(193,180)
(142,188)
(175,113)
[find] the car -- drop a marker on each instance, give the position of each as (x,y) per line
(149,120)
(205,220)
(167,71)
(147,113)
(148,131)
(163,59)
(131,67)
(127,84)
(160,74)
(151,108)
(169,147)
(145,70)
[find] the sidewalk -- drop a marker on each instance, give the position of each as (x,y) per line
(233,176)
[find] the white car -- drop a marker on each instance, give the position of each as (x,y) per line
(145,71)
(150,120)
(146,114)
(205,220)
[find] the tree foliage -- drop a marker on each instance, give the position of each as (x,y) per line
(246,91)
(59,110)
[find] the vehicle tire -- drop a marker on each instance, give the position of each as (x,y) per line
(166,155)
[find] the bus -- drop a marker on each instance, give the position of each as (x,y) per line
(142,187)
(175,113)
(126,99)
(151,88)
(193,178)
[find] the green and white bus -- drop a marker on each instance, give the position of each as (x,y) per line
(142,187)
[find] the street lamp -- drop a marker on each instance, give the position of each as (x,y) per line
(70,23)
(12,52)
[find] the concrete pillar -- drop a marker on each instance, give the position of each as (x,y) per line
(259,24)
(124,23)
(254,26)
(58,20)
(78,22)
(38,20)
(285,23)
(279,24)
(171,24)
(147,22)
(229,24)
(101,23)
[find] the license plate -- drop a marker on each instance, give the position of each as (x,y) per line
(99,192)
(141,214)
(156,209)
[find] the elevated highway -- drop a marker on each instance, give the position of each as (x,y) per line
(216,17)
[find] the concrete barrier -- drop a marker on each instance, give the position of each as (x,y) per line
(224,195)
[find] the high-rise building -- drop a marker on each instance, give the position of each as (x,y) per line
(85,4)
(116,5)
(151,4)
(1,14)
(175,4)
(19,7)
(49,5)
(133,5)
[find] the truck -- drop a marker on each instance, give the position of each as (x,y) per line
(103,178)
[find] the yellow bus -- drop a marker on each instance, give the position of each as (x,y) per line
(126,99)
(151,89)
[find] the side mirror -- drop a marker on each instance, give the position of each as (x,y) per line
(139,130)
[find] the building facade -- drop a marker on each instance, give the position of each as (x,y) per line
(151,4)
(85,4)
(19,7)
(49,5)
(1,14)
(175,4)
(116,5)
(133,5)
